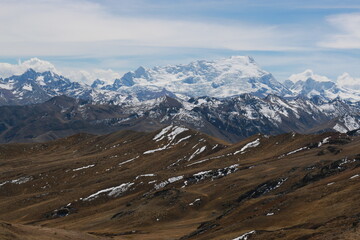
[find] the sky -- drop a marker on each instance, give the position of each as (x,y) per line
(87,39)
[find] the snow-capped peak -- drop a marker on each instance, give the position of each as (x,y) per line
(223,77)
(308,74)
(244,64)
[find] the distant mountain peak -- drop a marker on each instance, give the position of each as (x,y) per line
(29,71)
(224,77)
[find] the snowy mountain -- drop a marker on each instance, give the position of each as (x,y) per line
(37,87)
(174,95)
(223,78)
(231,119)
(34,87)
(219,78)
(235,118)
(310,84)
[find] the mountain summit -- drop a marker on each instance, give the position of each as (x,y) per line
(222,78)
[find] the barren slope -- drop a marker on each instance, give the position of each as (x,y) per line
(180,184)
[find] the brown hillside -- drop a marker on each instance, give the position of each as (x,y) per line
(180,184)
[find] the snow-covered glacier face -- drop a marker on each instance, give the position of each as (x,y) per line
(218,78)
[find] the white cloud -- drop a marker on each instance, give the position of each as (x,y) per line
(345,80)
(306,75)
(80,27)
(348,35)
(89,76)
(89,29)
(325,63)
(7,70)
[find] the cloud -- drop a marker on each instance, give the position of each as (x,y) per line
(306,75)
(122,34)
(7,70)
(89,76)
(345,80)
(325,63)
(348,35)
(63,27)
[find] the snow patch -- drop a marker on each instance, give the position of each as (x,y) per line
(297,150)
(355,176)
(166,182)
(18,181)
(197,162)
(196,200)
(249,145)
(197,152)
(183,139)
(340,128)
(245,236)
(170,132)
(221,172)
(145,175)
(27,87)
(113,191)
(116,191)
(6,86)
(85,167)
(324,141)
(175,179)
(127,161)
(156,150)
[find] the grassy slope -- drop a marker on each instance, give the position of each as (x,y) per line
(304,206)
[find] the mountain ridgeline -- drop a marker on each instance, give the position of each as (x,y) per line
(223,78)
(231,98)
(230,119)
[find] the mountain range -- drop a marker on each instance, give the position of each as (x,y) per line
(231,119)
(222,78)
(230,98)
